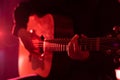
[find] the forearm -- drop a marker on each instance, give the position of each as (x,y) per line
(25,36)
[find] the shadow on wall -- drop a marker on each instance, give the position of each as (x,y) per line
(8,56)
(8,42)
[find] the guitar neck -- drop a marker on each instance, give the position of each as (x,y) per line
(91,44)
(56,45)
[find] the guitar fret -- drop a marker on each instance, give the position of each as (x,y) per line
(94,44)
(83,47)
(57,44)
(90,47)
(91,44)
(56,47)
(97,44)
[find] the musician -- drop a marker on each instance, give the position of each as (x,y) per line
(56,15)
(47,20)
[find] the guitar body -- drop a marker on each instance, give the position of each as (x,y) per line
(35,65)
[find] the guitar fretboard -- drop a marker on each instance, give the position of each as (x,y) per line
(56,44)
(91,44)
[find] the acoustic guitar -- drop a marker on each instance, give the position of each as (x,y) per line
(51,43)
(36,65)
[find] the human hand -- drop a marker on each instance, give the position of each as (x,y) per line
(28,41)
(74,51)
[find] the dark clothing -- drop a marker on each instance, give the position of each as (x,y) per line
(94,18)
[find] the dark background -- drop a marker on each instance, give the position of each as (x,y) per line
(95,18)
(8,43)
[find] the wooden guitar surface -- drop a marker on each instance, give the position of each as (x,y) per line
(36,66)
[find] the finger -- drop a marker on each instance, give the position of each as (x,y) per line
(72,45)
(70,50)
(75,38)
(74,42)
(83,36)
(76,47)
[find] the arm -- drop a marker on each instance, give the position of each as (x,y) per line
(26,38)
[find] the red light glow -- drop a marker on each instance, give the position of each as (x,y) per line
(31,31)
(117,71)
(25,65)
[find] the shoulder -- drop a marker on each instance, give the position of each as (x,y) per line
(22,6)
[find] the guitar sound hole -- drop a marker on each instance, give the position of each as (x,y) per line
(41,48)
(42,38)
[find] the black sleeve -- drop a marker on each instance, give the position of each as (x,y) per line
(21,15)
